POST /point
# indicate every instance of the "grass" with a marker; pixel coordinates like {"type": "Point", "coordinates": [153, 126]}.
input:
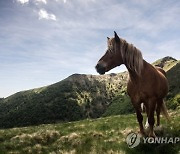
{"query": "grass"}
{"type": "Point", "coordinates": [121, 104]}
{"type": "Point", "coordinates": [103, 135]}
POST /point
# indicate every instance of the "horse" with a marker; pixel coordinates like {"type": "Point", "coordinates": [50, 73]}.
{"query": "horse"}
{"type": "Point", "coordinates": [147, 84]}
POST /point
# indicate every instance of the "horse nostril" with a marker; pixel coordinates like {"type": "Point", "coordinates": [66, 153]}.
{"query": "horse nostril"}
{"type": "Point", "coordinates": [97, 66]}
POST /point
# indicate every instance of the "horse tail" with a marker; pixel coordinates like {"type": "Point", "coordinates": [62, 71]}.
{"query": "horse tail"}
{"type": "Point", "coordinates": [164, 111]}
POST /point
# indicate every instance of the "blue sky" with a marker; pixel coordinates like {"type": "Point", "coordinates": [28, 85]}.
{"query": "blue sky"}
{"type": "Point", "coordinates": [44, 41]}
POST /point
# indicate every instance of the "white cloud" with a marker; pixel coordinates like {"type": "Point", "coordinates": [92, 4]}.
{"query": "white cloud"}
{"type": "Point", "coordinates": [35, 1]}
{"type": "Point", "coordinates": [170, 47]}
{"type": "Point", "coordinates": [43, 14]}
{"type": "Point", "coordinates": [23, 1]}
{"type": "Point", "coordinates": [62, 0]}
{"type": "Point", "coordinates": [41, 1]}
{"type": "Point", "coordinates": [151, 25]}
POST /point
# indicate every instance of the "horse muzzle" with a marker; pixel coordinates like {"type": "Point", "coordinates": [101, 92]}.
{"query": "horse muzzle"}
{"type": "Point", "coordinates": [100, 69]}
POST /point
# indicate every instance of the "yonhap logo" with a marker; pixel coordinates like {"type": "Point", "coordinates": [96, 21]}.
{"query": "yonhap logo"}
{"type": "Point", "coordinates": [134, 139]}
{"type": "Point", "coordinates": [161, 140]}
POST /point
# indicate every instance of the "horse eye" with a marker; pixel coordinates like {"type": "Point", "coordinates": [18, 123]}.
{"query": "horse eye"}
{"type": "Point", "coordinates": [110, 50]}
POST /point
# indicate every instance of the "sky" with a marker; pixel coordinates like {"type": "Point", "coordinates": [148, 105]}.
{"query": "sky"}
{"type": "Point", "coordinates": [45, 41]}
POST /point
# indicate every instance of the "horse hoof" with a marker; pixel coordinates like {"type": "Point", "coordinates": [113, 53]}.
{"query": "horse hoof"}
{"type": "Point", "coordinates": [146, 126]}
{"type": "Point", "coordinates": [158, 128]}
{"type": "Point", "coordinates": [152, 135]}
{"type": "Point", "coordinates": [142, 134]}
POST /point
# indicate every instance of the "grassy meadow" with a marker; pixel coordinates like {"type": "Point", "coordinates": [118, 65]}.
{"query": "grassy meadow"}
{"type": "Point", "coordinates": [98, 136]}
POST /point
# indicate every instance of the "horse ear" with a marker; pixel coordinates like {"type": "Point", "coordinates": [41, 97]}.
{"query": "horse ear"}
{"type": "Point", "coordinates": [116, 37]}
{"type": "Point", "coordinates": [108, 39]}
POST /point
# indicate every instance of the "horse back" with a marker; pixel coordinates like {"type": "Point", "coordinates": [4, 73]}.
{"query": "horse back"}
{"type": "Point", "coordinates": [152, 83]}
{"type": "Point", "coordinates": [161, 70]}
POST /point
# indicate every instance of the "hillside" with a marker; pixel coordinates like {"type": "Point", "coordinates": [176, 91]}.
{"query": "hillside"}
{"type": "Point", "coordinates": [173, 75]}
{"type": "Point", "coordinates": [76, 97]}
{"type": "Point", "coordinates": [166, 63]}
{"type": "Point", "coordinates": [80, 96]}
{"type": "Point", "coordinates": [99, 136]}
{"type": "Point", "coordinates": [172, 68]}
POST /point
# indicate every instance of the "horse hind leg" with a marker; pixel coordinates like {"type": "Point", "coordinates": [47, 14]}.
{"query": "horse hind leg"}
{"type": "Point", "coordinates": [145, 109]}
{"type": "Point", "coordinates": [151, 109]}
{"type": "Point", "coordinates": [158, 110]}
{"type": "Point", "coordinates": [146, 124]}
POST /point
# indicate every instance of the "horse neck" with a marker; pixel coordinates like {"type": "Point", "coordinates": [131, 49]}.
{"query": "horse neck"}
{"type": "Point", "coordinates": [132, 58]}
{"type": "Point", "coordinates": [133, 75]}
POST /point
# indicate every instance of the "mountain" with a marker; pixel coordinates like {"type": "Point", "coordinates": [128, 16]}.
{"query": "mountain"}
{"type": "Point", "coordinates": [74, 98]}
{"type": "Point", "coordinates": [166, 63]}
{"type": "Point", "coordinates": [1, 99]}
{"type": "Point", "coordinates": [172, 68]}
{"type": "Point", "coordinates": [78, 97]}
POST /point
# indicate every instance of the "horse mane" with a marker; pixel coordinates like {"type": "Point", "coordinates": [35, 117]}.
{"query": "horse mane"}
{"type": "Point", "coordinates": [132, 57]}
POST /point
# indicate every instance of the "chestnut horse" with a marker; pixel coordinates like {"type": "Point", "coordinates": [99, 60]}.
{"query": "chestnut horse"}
{"type": "Point", "coordinates": [147, 84]}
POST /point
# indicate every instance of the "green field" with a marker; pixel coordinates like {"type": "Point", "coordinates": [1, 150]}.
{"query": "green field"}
{"type": "Point", "coordinates": [102, 135]}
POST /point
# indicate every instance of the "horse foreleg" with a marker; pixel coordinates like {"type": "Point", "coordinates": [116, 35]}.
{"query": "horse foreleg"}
{"type": "Point", "coordinates": [140, 120]}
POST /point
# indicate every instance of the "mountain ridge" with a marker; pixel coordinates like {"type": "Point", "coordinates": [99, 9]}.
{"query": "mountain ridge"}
{"type": "Point", "coordinates": [78, 96]}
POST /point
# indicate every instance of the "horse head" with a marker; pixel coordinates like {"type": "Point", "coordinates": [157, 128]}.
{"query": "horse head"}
{"type": "Point", "coordinates": [112, 57]}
